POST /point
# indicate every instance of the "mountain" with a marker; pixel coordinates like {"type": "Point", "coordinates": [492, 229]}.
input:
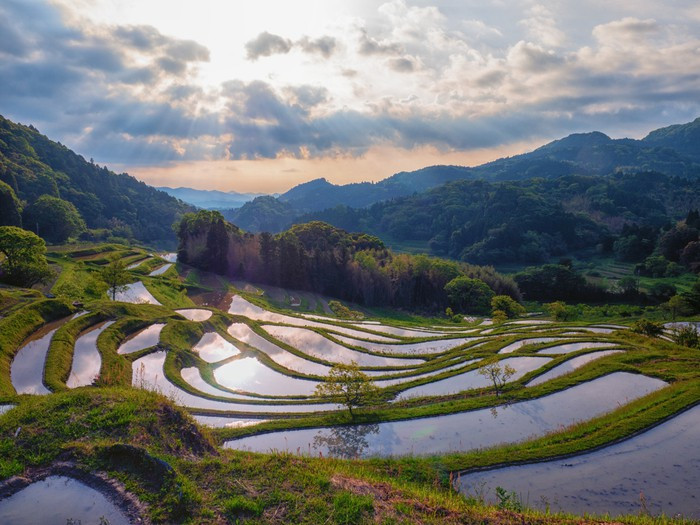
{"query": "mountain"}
{"type": "Point", "coordinates": [110, 204]}
{"type": "Point", "coordinates": [674, 151]}
{"type": "Point", "coordinates": [210, 199]}
{"type": "Point", "coordinates": [684, 138]}
{"type": "Point", "coordinates": [527, 221]}
{"type": "Point", "coordinates": [263, 214]}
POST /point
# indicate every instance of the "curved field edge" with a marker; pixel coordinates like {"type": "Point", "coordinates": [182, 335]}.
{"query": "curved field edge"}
{"type": "Point", "coordinates": [157, 453]}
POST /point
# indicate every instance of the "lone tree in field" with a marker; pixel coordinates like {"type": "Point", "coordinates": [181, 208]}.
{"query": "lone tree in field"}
{"type": "Point", "coordinates": [350, 384]}
{"type": "Point", "coordinates": [115, 276]}
{"type": "Point", "coordinates": [497, 374]}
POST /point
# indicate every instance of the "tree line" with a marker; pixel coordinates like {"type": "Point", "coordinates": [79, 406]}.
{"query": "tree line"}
{"type": "Point", "coordinates": [324, 259]}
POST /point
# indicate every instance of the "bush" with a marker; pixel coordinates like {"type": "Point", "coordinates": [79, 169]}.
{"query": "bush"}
{"type": "Point", "coordinates": [560, 311]}
{"type": "Point", "coordinates": [686, 335]}
{"type": "Point", "coordinates": [646, 327]}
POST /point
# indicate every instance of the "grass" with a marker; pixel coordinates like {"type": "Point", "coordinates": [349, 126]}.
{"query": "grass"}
{"type": "Point", "coordinates": [175, 467]}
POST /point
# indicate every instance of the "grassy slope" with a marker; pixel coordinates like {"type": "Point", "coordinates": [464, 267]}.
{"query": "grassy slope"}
{"type": "Point", "coordinates": [279, 488]}
{"type": "Point", "coordinates": [174, 468]}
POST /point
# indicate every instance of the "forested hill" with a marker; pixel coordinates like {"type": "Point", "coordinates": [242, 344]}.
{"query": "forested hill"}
{"type": "Point", "coordinates": [525, 221]}
{"type": "Point", "coordinates": [321, 258]}
{"type": "Point", "coordinates": [106, 203]}
{"type": "Point", "coordinates": [672, 151]}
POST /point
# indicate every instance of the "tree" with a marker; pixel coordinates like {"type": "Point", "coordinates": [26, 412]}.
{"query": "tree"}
{"type": "Point", "coordinates": [53, 219]}
{"type": "Point", "coordinates": [560, 311]}
{"type": "Point", "coordinates": [677, 305]}
{"type": "Point", "coordinates": [647, 327]}
{"type": "Point", "coordinates": [686, 335]}
{"type": "Point", "coordinates": [10, 208]}
{"type": "Point", "coordinates": [25, 260]}
{"type": "Point", "coordinates": [469, 295]}
{"type": "Point", "coordinates": [507, 305]}
{"type": "Point", "coordinates": [115, 276]}
{"type": "Point", "coordinates": [497, 374]}
{"type": "Point", "coordinates": [350, 384]}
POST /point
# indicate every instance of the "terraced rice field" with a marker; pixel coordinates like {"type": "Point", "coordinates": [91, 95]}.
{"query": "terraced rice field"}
{"type": "Point", "coordinates": [245, 369]}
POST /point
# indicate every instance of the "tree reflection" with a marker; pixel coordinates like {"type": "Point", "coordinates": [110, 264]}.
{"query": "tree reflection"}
{"type": "Point", "coordinates": [345, 442]}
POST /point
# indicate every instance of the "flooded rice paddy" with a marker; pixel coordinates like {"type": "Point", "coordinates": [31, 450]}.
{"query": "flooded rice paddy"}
{"type": "Point", "coordinates": [135, 293]}
{"type": "Point", "coordinates": [141, 340]}
{"type": "Point", "coordinates": [657, 472]}
{"type": "Point", "coordinates": [87, 359]}
{"type": "Point", "coordinates": [462, 431]}
{"type": "Point", "coordinates": [56, 500]}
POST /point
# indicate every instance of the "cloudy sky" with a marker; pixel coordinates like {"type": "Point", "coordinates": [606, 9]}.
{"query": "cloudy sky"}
{"type": "Point", "coordinates": [261, 95]}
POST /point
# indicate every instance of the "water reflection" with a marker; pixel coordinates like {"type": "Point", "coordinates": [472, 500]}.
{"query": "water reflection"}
{"type": "Point", "coordinates": [345, 442]}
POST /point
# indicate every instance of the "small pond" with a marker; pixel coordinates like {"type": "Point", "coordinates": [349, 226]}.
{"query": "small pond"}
{"type": "Point", "coordinates": [463, 431]}
{"type": "Point", "coordinates": [426, 347]}
{"type": "Point", "coordinates": [282, 357]}
{"type": "Point", "coordinates": [195, 314]}
{"type": "Point", "coordinates": [517, 345]}
{"type": "Point", "coordinates": [56, 500]}
{"type": "Point", "coordinates": [570, 366]}
{"type": "Point", "coordinates": [250, 375]}
{"type": "Point", "coordinates": [663, 464]}
{"type": "Point", "coordinates": [87, 359]}
{"type": "Point", "coordinates": [473, 379]}
{"type": "Point", "coordinates": [226, 422]}
{"type": "Point", "coordinates": [212, 348]}
{"type": "Point", "coordinates": [314, 344]}
{"type": "Point", "coordinates": [161, 270]}
{"type": "Point", "coordinates": [567, 348]}
{"type": "Point", "coordinates": [135, 293]}
{"type": "Point", "coordinates": [147, 373]}
{"type": "Point", "coordinates": [144, 339]}
{"type": "Point", "coordinates": [240, 306]}
{"type": "Point", "coordinates": [27, 369]}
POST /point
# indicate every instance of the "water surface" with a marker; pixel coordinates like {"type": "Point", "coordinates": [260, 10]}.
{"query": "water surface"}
{"type": "Point", "coordinates": [473, 379]}
{"type": "Point", "coordinates": [279, 355]}
{"type": "Point", "coordinates": [426, 347]}
{"type": "Point", "coordinates": [570, 366]}
{"type": "Point", "coordinates": [87, 359]}
{"type": "Point", "coordinates": [27, 369]}
{"type": "Point", "coordinates": [147, 373]}
{"type": "Point", "coordinates": [512, 347]}
{"type": "Point", "coordinates": [57, 499]}
{"type": "Point", "coordinates": [212, 348]}
{"type": "Point", "coordinates": [314, 344]}
{"type": "Point", "coordinates": [195, 314]}
{"type": "Point", "coordinates": [466, 430]}
{"type": "Point", "coordinates": [567, 348]}
{"type": "Point", "coordinates": [663, 464]}
{"type": "Point", "coordinates": [135, 293]}
{"type": "Point", "coordinates": [161, 270]}
{"type": "Point", "coordinates": [144, 339]}
{"type": "Point", "coordinates": [250, 375]}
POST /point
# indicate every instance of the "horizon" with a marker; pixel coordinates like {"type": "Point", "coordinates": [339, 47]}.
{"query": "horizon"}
{"type": "Point", "coordinates": [233, 98]}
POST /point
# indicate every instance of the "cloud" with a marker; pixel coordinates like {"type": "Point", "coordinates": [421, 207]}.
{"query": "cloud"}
{"type": "Point", "coordinates": [325, 45]}
{"type": "Point", "coordinates": [267, 44]}
{"type": "Point", "coordinates": [401, 65]}
{"type": "Point", "coordinates": [370, 46]}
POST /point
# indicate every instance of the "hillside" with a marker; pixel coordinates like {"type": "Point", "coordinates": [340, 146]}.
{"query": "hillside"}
{"type": "Point", "coordinates": [118, 204]}
{"type": "Point", "coordinates": [672, 151]}
{"type": "Point", "coordinates": [526, 221]}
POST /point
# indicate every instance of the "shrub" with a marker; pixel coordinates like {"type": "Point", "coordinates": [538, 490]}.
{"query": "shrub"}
{"type": "Point", "coordinates": [646, 327]}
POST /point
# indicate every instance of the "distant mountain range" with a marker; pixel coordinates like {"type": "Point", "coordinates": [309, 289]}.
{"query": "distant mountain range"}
{"type": "Point", "coordinates": [211, 199]}
{"type": "Point", "coordinates": [673, 151]}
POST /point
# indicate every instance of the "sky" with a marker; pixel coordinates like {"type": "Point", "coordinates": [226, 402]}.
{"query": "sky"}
{"type": "Point", "coordinates": [261, 95]}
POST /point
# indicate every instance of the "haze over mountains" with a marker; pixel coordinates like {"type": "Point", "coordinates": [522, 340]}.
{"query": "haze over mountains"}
{"type": "Point", "coordinates": [674, 151]}
{"type": "Point", "coordinates": [210, 199]}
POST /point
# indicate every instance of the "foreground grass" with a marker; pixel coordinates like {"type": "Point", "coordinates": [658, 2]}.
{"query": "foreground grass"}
{"type": "Point", "coordinates": [157, 452]}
